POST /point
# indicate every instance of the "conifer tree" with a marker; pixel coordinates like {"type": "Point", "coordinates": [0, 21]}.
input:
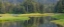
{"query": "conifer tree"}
{"type": "Point", "coordinates": [59, 8]}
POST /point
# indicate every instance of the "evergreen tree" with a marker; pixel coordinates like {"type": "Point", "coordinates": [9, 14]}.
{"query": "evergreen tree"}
{"type": "Point", "coordinates": [0, 7]}
{"type": "Point", "coordinates": [33, 7]}
{"type": "Point", "coordinates": [59, 8]}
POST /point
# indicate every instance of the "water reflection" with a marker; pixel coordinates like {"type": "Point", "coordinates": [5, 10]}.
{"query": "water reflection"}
{"type": "Point", "coordinates": [32, 22]}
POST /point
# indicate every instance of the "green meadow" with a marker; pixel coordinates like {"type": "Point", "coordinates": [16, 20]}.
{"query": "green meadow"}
{"type": "Point", "coordinates": [60, 19]}
{"type": "Point", "coordinates": [22, 17]}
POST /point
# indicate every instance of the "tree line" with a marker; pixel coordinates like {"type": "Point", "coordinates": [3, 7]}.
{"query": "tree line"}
{"type": "Point", "coordinates": [59, 8]}
{"type": "Point", "coordinates": [28, 6]}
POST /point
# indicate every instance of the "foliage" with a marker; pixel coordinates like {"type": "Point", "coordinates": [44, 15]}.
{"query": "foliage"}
{"type": "Point", "coordinates": [27, 6]}
{"type": "Point", "coordinates": [1, 7]}
{"type": "Point", "coordinates": [59, 8]}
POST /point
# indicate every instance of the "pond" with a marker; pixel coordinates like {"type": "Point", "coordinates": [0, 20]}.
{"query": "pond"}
{"type": "Point", "coordinates": [32, 22]}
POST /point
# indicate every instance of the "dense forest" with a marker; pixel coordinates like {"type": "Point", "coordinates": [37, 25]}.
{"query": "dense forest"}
{"type": "Point", "coordinates": [59, 8]}
{"type": "Point", "coordinates": [29, 6]}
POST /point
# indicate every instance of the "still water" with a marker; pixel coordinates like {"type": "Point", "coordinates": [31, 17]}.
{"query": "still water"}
{"type": "Point", "coordinates": [32, 22]}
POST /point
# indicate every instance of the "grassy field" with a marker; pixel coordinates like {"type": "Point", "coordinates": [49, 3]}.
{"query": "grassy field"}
{"type": "Point", "coordinates": [15, 17]}
{"type": "Point", "coordinates": [61, 19]}
{"type": "Point", "coordinates": [60, 22]}
{"type": "Point", "coordinates": [22, 16]}
{"type": "Point", "coordinates": [60, 16]}
{"type": "Point", "coordinates": [10, 17]}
